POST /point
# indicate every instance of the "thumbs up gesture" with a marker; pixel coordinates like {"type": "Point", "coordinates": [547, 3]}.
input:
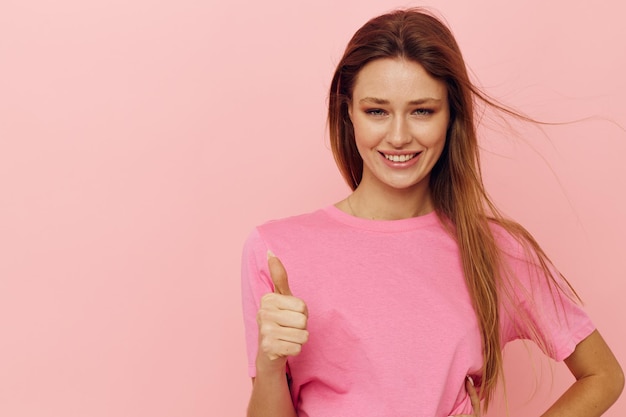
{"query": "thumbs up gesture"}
{"type": "Point", "coordinates": [282, 320]}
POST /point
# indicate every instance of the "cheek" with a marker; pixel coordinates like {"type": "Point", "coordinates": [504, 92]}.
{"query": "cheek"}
{"type": "Point", "coordinates": [368, 133]}
{"type": "Point", "coordinates": [362, 135]}
{"type": "Point", "coordinates": [438, 148]}
{"type": "Point", "coordinates": [361, 145]}
{"type": "Point", "coordinates": [433, 137]}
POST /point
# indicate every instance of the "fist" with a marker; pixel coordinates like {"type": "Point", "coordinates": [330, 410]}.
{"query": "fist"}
{"type": "Point", "coordinates": [282, 319]}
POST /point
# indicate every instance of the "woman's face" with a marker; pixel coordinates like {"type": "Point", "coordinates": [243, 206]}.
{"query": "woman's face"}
{"type": "Point", "coordinates": [400, 116]}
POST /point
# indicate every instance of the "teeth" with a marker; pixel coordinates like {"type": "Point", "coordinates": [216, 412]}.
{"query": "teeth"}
{"type": "Point", "coordinates": [399, 158]}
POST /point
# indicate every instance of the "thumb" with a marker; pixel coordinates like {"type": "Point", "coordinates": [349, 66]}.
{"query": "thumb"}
{"type": "Point", "coordinates": [278, 274]}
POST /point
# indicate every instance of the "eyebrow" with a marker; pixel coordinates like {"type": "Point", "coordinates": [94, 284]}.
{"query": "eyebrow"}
{"type": "Point", "coordinates": [418, 101]}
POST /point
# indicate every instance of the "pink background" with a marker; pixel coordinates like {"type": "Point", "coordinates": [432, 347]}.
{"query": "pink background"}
{"type": "Point", "coordinates": [141, 141]}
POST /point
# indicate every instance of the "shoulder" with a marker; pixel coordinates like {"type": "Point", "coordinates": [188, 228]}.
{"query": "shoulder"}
{"type": "Point", "coordinates": [281, 236]}
{"type": "Point", "coordinates": [513, 240]}
{"type": "Point", "coordinates": [525, 267]}
{"type": "Point", "coordinates": [293, 239]}
{"type": "Point", "coordinates": [296, 224]}
{"type": "Point", "coordinates": [288, 230]}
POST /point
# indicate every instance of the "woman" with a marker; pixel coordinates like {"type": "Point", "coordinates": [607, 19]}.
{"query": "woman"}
{"type": "Point", "coordinates": [405, 293]}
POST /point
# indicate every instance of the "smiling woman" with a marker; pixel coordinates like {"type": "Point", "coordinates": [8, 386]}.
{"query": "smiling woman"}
{"type": "Point", "coordinates": [400, 117]}
{"type": "Point", "coordinates": [401, 296]}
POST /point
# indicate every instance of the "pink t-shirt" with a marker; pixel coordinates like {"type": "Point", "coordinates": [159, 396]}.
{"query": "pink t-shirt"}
{"type": "Point", "coordinates": [392, 329]}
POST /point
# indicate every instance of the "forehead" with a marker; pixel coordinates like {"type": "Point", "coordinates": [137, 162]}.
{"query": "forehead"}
{"type": "Point", "coordinates": [387, 78]}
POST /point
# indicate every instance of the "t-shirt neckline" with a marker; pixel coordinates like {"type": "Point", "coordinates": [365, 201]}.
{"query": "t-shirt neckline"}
{"type": "Point", "coordinates": [401, 225]}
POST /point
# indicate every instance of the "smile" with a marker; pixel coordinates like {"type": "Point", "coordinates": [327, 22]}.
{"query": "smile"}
{"type": "Point", "coordinates": [400, 158]}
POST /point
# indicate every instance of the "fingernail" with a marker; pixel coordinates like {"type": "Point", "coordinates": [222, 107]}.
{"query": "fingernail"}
{"type": "Point", "coordinates": [471, 381]}
{"type": "Point", "coordinates": [270, 254]}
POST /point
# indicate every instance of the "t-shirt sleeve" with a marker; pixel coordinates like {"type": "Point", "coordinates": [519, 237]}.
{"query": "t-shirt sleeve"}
{"type": "Point", "coordinates": [255, 282]}
{"type": "Point", "coordinates": [538, 308]}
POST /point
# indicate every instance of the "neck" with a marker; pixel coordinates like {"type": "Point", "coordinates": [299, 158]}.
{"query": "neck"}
{"type": "Point", "coordinates": [388, 204]}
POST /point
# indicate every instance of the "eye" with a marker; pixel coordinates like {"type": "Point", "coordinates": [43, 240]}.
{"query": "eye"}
{"type": "Point", "coordinates": [423, 112]}
{"type": "Point", "coordinates": [376, 112]}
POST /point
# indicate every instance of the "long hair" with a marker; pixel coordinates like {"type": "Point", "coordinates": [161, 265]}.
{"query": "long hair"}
{"type": "Point", "coordinates": [456, 185]}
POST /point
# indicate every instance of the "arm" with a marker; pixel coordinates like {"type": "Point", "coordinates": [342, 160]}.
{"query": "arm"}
{"type": "Point", "coordinates": [270, 395]}
{"type": "Point", "coordinates": [282, 332]}
{"type": "Point", "coordinates": [599, 380]}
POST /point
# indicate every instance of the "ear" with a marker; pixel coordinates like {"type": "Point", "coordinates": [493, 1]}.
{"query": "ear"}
{"type": "Point", "coordinates": [350, 109]}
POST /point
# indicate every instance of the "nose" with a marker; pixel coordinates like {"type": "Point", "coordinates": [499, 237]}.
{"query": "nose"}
{"type": "Point", "coordinates": [399, 134]}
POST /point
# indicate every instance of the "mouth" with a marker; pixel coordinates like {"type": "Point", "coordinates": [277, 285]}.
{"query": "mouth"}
{"type": "Point", "coordinates": [399, 158]}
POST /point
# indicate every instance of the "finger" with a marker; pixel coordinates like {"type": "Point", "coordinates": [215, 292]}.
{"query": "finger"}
{"type": "Point", "coordinates": [278, 274]}
{"type": "Point", "coordinates": [471, 390]}
{"type": "Point", "coordinates": [272, 301]}
{"type": "Point", "coordinates": [287, 334]}
{"type": "Point", "coordinates": [271, 333]}
{"type": "Point", "coordinates": [282, 349]}
{"type": "Point", "coordinates": [283, 318]}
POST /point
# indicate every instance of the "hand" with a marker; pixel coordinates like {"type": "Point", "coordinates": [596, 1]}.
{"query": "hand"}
{"type": "Point", "coordinates": [471, 390]}
{"type": "Point", "coordinates": [282, 320]}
